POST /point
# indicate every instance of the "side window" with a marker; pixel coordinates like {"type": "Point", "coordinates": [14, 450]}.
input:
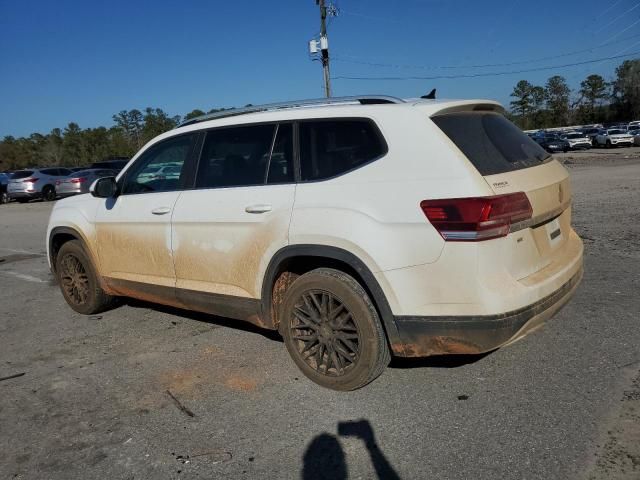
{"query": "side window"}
{"type": "Point", "coordinates": [233, 157]}
{"type": "Point", "coordinates": [149, 173]}
{"type": "Point", "coordinates": [330, 148]}
{"type": "Point", "coordinates": [50, 171]}
{"type": "Point", "coordinates": [64, 172]}
{"type": "Point", "coordinates": [281, 162]}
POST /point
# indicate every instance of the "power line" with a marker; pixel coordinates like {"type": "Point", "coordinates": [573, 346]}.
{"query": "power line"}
{"type": "Point", "coordinates": [611, 22]}
{"type": "Point", "coordinates": [488, 74]}
{"type": "Point", "coordinates": [345, 59]}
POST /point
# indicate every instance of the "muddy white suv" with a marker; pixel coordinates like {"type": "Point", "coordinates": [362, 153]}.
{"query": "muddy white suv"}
{"type": "Point", "coordinates": [359, 228]}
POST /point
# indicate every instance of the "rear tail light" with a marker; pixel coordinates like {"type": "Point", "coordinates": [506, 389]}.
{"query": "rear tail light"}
{"type": "Point", "coordinates": [30, 180]}
{"type": "Point", "coordinates": [477, 218]}
{"type": "Point", "coordinates": [79, 180]}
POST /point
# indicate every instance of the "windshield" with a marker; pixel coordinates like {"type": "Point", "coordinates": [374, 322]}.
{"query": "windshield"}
{"type": "Point", "coordinates": [615, 131]}
{"type": "Point", "coordinates": [491, 142]}
{"type": "Point", "coordinates": [573, 135]}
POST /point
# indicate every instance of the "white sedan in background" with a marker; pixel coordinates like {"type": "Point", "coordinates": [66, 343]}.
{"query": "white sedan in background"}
{"type": "Point", "coordinates": [614, 137]}
{"type": "Point", "coordinates": [577, 140]}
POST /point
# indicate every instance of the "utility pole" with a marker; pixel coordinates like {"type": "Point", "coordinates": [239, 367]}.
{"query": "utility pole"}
{"type": "Point", "coordinates": [324, 47]}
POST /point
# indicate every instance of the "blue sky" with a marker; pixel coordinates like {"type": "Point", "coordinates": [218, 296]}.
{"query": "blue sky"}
{"type": "Point", "coordinates": [83, 61]}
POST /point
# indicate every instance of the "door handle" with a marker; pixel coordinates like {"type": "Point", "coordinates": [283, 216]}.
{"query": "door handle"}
{"type": "Point", "coordinates": [161, 210]}
{"type": "Point", "coordinates": [262, 208]}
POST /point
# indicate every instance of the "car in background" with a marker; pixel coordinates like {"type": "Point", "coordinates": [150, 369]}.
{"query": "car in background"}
{"type": "Point", "coordinates": [116, 164]}
{"type": "Point", "coordinates": [78, 169]}
{"type": "Point", "coordinates": [4, 181]}
{"type": "Point", "coordinates": [614, 137]}
{"type": "Point", "coordinates": [553, 143]}
{"type": "Point", "coordinates": [79, 182]}
{"type": "Point", "coordinates": [635, 123]}
{"type": "Point", "coordinates": [164, 172]}
{"type": "Point", "coordinates": [26, 185]}
{"type": "Point", "coordinates": [633, 129]}
{"type": "Point", "coordinates": [577, 140]}
{"type": "Point", "coordinates": [591, 133]}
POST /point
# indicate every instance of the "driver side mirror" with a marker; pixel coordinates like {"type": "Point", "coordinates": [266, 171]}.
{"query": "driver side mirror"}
{"type": "Point", "coordinates": [105, 187]}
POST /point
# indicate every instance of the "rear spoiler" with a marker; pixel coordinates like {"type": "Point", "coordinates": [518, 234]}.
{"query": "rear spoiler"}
{"type": "Point", "coordinates": [472, 107]}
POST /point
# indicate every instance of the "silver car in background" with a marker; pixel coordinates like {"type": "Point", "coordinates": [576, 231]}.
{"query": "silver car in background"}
{"type": "Point", "coordinates": [35, 183]}
{"type": "Point", "coordinates": [79, 182]}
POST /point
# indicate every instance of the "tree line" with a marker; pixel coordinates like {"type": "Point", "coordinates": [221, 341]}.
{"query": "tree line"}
{"type": "Point", "coordinates": [534, 106]}
{"type": "Point", "coordinates": [596, 101]}
{"type": "Point", "coordinates": [74, 146]}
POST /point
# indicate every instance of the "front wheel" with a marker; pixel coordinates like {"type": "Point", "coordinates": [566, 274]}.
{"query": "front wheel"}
{"type": "Point", "coordinates": [332, 330]}
{"type": "Point", "coordinates": [4, 198]}
{"type": "Point", "coordinates": [79, 282]}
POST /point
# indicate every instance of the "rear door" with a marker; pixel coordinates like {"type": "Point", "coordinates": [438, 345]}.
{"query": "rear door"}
{"type": "Point", "coordinates": [511, 162]}
{"type": "Point", "coordinates": [237, 216]}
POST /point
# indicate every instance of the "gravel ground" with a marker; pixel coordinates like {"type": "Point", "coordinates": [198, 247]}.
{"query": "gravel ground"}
{"type": "Point", "coordinates": [93, 401]}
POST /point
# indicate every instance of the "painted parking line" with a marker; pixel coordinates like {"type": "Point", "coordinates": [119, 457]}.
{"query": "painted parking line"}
{"type": "Point", "coordinates": [21, 276]}
{"type": "Point", "coordinates": [17, 250]}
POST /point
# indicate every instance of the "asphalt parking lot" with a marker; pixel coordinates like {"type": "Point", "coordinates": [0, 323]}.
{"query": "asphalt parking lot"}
{"type": "Point", "coordinates": [151, 392]}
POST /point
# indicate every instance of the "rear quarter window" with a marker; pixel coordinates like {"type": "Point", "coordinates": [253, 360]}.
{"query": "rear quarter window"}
{"type": "Point", "coordinates": [329, 148]}
{"type": "Point", "coordinates": [491, 142]}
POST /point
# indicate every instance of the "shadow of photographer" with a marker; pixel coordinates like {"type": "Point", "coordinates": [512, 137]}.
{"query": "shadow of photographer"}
{"type": "Point", "coordinates": [325, 459]}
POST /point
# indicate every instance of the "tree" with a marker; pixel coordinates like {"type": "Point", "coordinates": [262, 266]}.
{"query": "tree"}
{"type": "Point", "coordinates": [593, 90]}
{"type": "Point", "coordinates": [131, 124]}
{"type": "Point", "coordinates": [193, 114]}
{"type": "Point", "coordinates": [626, 90]}
{"type": "Point", "coordinates": [537, 106]}
{"type": "Point", "coordinates": [53, 149]}
{"type": "Point", "coordinates": [522, 104]}
{"type": "Point", "coordinates": [557, 93]}
{"type": "Point", "coordinates": [73, 145]}
{"type": "Point", "coordinates": [156, 121]}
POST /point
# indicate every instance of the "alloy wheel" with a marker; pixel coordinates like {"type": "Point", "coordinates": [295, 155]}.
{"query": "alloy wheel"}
{"type": "Point", "coordinates": [74, 279]}
{"type": "Point", "coordinates": [325, 333]}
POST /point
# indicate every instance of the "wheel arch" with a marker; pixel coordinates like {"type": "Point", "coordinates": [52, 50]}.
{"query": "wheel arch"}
{"type": "Point", "coordinates": [61, 235]}
{"type": "Point", "coordinates": [298, 259]}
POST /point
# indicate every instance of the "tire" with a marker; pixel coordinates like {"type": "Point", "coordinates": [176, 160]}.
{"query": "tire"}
{"type": "Point", "coordinates": [48, 193]}
{"type": "Point", "coordinates": [347, 343]}
{"type": "Point", "coordinates": [4, 198]}
{"type": "Point", "coordinates": [78, 280]}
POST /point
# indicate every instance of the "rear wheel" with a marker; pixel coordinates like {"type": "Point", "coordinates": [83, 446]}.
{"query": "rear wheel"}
{"type": "Point", "coordinates": [332, 330]}
{"type": "Point", "coordinates": [4, 197]}
{"type": "Point", "coordinates": [78, 280]}
{"type": "Point", "coordinates": [48, 193]}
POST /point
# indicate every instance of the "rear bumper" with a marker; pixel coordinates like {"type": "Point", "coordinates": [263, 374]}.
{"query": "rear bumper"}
{"type": "Point", "coordinates": [422, 336]}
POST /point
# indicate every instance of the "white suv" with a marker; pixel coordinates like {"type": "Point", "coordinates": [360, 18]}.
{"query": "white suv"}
{"type": "Point", "coordinates": [359, 228]}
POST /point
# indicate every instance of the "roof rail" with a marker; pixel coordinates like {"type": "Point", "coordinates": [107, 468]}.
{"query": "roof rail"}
{"type": "Point", "coordinates": [317, 102]}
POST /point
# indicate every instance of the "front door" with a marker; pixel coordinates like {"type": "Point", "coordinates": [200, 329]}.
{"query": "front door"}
{"type": "Point", "coordinates": [134, 229]}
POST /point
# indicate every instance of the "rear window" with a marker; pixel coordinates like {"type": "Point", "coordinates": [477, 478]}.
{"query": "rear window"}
{"type": "Point", "coordinates": [491, 142]}
{"type": "Point", "coordinates": [22, 174]}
